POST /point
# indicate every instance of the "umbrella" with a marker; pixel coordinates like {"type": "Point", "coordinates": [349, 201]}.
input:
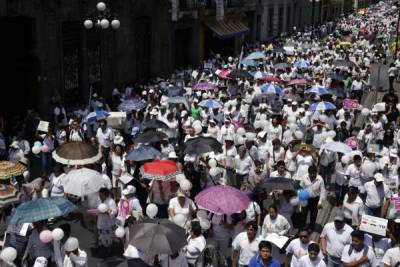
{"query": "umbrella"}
{"type": "Point", "coordinates": [129, 105]}
{"type": "Point", "coordinates": [179, 100]}
{"type": "Point", "coordinates": [335, 77]}
{"type": "Point", "coordinates": [305, 147]}
{"type": "Point", "coordinates": [270, 79]}
{"type": "Point", "coordinates": [222, 199]}
{"type": "Point", "coordinates": [352, 142]}
{"type": "Point", "coordinates": [41, 209]}
{"type": "Point", "coordinates": [9, 169]}
{"type": "Point", "coordinates": [201, 145]}
{"type": "Point", "coordinates": [249, 62]}
{"type": "Point", "coordinates": [160, 170]}
{"type": "Point", "coordinates": [278, 50]}
{"type": "Point", "coordinates": [8, 195]}
{"type": "Point", "coordinates": [258, 74]}
{"type": "Point", "coordinates": [301, 64]}
{"type": "Point", "coordinates": [256, 55]}
{"type": "Point", "coordinates": [143, 153]}
{"type": "Point", "coordinates": [337, 147]}
{"type": "Point", "coordinates": [224, 74]}
{"type": "Point", "coordinates": [94, 116]}
{"type": "Point", "coordinates": [239, 74]}
{"type": "Point", "coordinates": [270, 88]}
{"type": "Point", "coordinates": [150, 136]}
{"type": "Point", "coordinates": [157, 237]}
{"type": "Point", "coordinates": [318, 90]}
{"type": "Point", "coordinates": [175, 91]}
{"type": "Point", "coordinates": [298, 82]}
{"type": "Point", "coordinates": [155, 124]}
{"type": "Point", "coordinates": [343, 63]}
{"type": "Point", "coordinates": [323, 105]}
{"type": "Point", "coordinates": [277, 183]}
{"type": "Point", "coordinates": [82, 182]}
{"type": "Point", "coordinates": [204, 86]}
{"type": "Point", "coordinates": [282, 66]}
{"type": "Point", "coordinates": [123, 262]}
{"type": "Point", "coordinates": [77, 153]}
{"type": "Point", "coordinates": [345, 44]}
{"type": "Point", "coordinates": [210, 103]}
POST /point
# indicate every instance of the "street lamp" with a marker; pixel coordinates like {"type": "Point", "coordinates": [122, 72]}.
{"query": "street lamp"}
{"type": "Point", "coordinates": [101, 18]}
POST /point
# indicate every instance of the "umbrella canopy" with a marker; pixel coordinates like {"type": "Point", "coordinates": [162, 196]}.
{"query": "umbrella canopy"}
{"type": "Point", "coordinates": [175, 91]}
{"type": "Point", "coordinates": [9, 169]}
{"type": "Point", "coordinates": [258, 74]}
{"type": "Point", "coordinates": [224, 74]}
{"type": "Point", "coordinates": [129, 105]}
{"type": "Point", "coordinates": [210, 103]}
{"type": "Point", "coordinates": [278, 50]}
{"type": "Point", "coordinates": [337, 147]}
{"type": "Point", "coordinates": [8, 195]}
{"type": "Point", "coordinates": [270, 79]}
{"type": "Point", "coordinates": [155, 124]}
{"type": "Point", "coordinates": [279, 183]}
{"type": "Point", "coordinates": [239, 74]}
{"type": "Point", "coordinates": [77, 153]}
{"type": "Point", "coordinates": [157, 237]}
{"type": "Point", "coordinates": [201, 145]}
{"type": "Point", "coordinates": [179, 100]}
{"type": "Point", "coordinates": [282, 66]}
{"type": "Point", "coordinates": [204, 86]}
{"type": "Point", "coordinates": [323, 105]}
{"type": "Point", "coordinates": [150, 136]}
{"type": "Point", "coordinates": [305, 147]}
{"type": "Point", "coordinates": [222, 199]}
{"type": "Point", "coordinates": [94, 116]}
{"type": "Point", "coordinates": [249, 62]}
{"type": "Point", "coordinates": [160, 170]}
{"type": "Point", "coordinates": [301, 64]}
{"type": "Point", "coordinates": [256, 55]}
{"type": "Point", "coordinates": [41, 209]}
{"type": "Point", "coordinates": [318, 90]}
{"type": "Point", "coordinates": [352, 142]}
{"type": "Point", "coordinates": [345, 44]}
{"type": "Point", "coordinates": [123, 262]}
{"type": "Point", "coordinates": [335, 77]}
{"type": "Point", "coordinates": [270, 88]}
{"type": "Point", "coordinates": [82, 182]}
{"type": "Point", "coordinates": [343, 63]}
{"type": "Point", "coordinates": [143, 153]}
{"type": "Point", "coordinates": [298, 82]}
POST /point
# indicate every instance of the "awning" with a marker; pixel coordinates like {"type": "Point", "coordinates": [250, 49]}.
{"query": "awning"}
{"type": "Point", "coordinates": [227, 29]}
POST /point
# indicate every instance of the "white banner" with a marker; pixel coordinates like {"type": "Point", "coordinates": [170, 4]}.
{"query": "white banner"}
{"type": "Point", "coordinates": [219, 9]}
{"type": "Point", "coordinates": [373, 225]}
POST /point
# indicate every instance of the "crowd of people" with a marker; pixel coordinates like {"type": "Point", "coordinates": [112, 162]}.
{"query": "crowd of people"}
{"type": "Point", "coordinates": [288, 111]}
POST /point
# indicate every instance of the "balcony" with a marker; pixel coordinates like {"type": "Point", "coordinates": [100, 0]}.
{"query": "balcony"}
{"type": "Point", "coordinates": [207, 4]}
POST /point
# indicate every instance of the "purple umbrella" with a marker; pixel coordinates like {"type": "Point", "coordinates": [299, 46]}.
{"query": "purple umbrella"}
{"type": "Point", "coordinates": [204, 86]}
{"type": "Point", "coordinates": [222, 199]}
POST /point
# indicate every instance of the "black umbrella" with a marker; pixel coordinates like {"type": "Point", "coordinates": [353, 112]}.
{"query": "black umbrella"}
{"type": "Point", "coordinates": [335, 77]}
{"type": "Point", "coordinates": [155, 124]}
{"type": "Point", "coordinates": [200, 145]}
{"type": "Point", "coordinates": [239, 74]}
{"type": "Point", "coordinates": [278, 50]}
{"type": "Point", "coordinates": [157, 237]}
{"type": "Point", "coordinates": [150, 136]}
{"type": "Point", "coordinates": [122, 262]}
{"type": "Point", "coordinates": [280, 183]}
{"type": "Point", "coordinates": [282, 66]}
{"type": "Point", "coordinates": [343, 63]}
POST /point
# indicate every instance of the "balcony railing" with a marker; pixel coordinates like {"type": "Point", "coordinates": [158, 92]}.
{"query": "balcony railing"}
{"type": "Point", "coordinates": [207, 4]}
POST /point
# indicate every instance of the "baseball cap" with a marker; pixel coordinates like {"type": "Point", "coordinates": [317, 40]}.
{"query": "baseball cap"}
{"type": "Point", "coordinates": [339, 216]}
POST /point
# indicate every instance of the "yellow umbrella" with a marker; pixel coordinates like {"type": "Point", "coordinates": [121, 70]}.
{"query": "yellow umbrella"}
{"type": "Point", "coordinates": [345, 43]}
{"type": "Point", "coordinates": [270, 46]}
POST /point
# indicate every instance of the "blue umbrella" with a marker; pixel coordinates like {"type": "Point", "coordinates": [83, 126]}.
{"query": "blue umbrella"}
{"type": "Point", "coordinates": [129, 105]}
{"type": "Point", "coordinates": [318, 90]}
{"type": "Point", "coordinates": [256, 55]}
{"type": "Point", "coordinates": [41, 209]}
{"type": "Point", "coordinates": [179, 100]}
{"type": "Point", "coordinates": [249, 62]}
{"type": "Point", "coordinates": [302, 64]}
{"type": "Point", "coordinates": [92, 117]}
{"type": "Point", "coordinates": [258, 74]}
{"type": "Point", "coordinates": [321, 106]}
{"type": "Point", "coordinates": [143, 153]}
{"type": "Point", "coordinates": [270, 88]}
{"type": "Point", "coordinates": [210, 103]}
{"type": "Point", "coordinates": [175, 91]}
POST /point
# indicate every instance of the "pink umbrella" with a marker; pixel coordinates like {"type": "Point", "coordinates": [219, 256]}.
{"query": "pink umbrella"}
{"type": "Point", "coordinates": [222, 199]}
{"type": "Point", "coordinates": [352, 142]}
{"type": "Point", "coordinates": [204, 86]}
{"type": "Point", "coordinates": [224, 73]}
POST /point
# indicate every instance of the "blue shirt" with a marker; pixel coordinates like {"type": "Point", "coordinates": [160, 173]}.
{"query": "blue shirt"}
{"type": "Point", "coordinates": [257, 262]}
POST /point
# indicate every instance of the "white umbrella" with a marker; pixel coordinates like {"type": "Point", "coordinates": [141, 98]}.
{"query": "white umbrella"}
{"type": "Point", "coordinates": [337, 147]}
{"type": "Point", "coordinates": [82, 182]}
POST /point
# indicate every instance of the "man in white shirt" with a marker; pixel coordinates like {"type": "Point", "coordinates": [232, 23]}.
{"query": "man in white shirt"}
{"type": "Point", "coordinates": [280, 172]}
{"type": "Point", "coordinates": [314, 185]}
{"type": "Point", "coordinates": [105, 137]}
{"type": "Point", "coordinates": [245, 245]}
{"type": "Point", "coordinates": [243, 164]}
{"type": "Point", "coordinates": [335, 235]}
{"type": "Point", "coordinates": [378, 196]}
{"type": "Point", "coordinates": [391, 257]}
{"type": "Point", "coordinates": [312, 259]}
{"type": "Point", "coordinates": [357, 253]}
{"type": "Point", "coordinates": [299, 247]}
{"type": "Point", "coordinates": [74, 257]}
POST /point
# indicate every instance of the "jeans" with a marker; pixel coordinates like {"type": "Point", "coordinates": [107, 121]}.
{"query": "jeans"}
{"type": "Point", "coordinates": [340, 192]}
{"type": "Point", "coordinates": [333, 261]}
{"type": "Point", "coordinates": [373, 211]}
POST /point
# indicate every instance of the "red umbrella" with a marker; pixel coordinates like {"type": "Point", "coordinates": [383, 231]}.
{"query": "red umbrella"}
{"type": "Point", "coordinates": [270, 79]}
{"type": "Point", "coordinates": [160, 170]}
{"type": "Point", "coordinates": [298, 82]}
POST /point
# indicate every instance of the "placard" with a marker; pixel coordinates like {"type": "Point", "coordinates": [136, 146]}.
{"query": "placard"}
{"type": "Point", "coordinates": [43, 126]}
{"type": "Point", "coordinates": [350, 103]}
{"type": "Point", "coordinates": [373, 225]}
{"type": "Point", "coordinates": [396, 202]}
{"type": "Point", "coordinates": [277, 240]}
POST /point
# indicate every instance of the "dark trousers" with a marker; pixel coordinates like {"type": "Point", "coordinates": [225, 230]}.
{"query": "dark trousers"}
{"type": "Point", "coordinates": [312, 209]}
{"type": "Point", "coordinates": [391, 80]}
{"type": "Point", "coordinates": [340, 192]}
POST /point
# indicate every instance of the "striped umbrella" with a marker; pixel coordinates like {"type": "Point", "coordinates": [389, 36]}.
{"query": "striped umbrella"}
{"type": "Point", "coordinates": [256, 55]}
{"type": "Point", "coordinates": [323, 105]}
{"type": "Point", "coordinates": [41, 209]}
{"type": "Point", "coordinates": [204, 86]}
{"type": "Point", "coordinates": [8, 194]}
{"type": "Point", "coordinates": [270, 88]}
{"type": "Point", "coordinates": [318, 90]}
{"type": "Point", "coordinates": [9, 169]}
{"type": "Point", "coordinates": [94, 116]}
{"type": "Point", "coordinates": [160, 170]}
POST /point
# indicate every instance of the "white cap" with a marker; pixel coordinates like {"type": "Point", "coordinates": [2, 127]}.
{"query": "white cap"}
{"type": "Point", "coordinates": [184, 113]}
{"type": "Point", "coordinates": [144, 92]}
{"type": "Point", "coordinates": [379, 177]}
{"type": "Point", "coordinates": [129, 190]}
{"type": "Point", "coordinates": [172, 155]}
{"type": "Point", "coordinates": [71, 244]}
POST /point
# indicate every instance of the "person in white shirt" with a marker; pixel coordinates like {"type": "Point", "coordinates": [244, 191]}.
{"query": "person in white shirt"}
{"type": "Point", "coordinates": [335, 235]}
{"type": "Point", "coordinates": [353, 207]}
{"type": "Point", "coordinates": [274, 223]}
{"type": "Point", "coordinates": [357, 253]}
{"type": "Point", "coordinates": [378, 196]}
{"type": "Point", "coordinates": [15, 153]}
{"type": "Point", "coordinates": [314, 185]}
{"type": "Point", "coordinates": [196, 244]}
{"type": "Point", "coordinates": [341, 182]}
{"type": "Point", "coordinates": [74, 256]}
{"type": "Point", "coordinates": [181, 204]}
{"type": "Point", "coordinates": [243, 164]}
{"type": "Point", "coordinates": [105, 137]}
{"type": "Point", "coordinates": [355, 174]}
{"type": "Point", "coordinates": [379, 245]}
{"type": "Point", "coordinates": [106, 220]}
{"type": "Point", "coordinates": [391, 257]}
{"type": "Point", "coordinates": [312, 259]}
{"type": "Point", "coordinates": [298, 247]}
{"type": "Point", "coordinates": [280, 171]}
{"type": "Point", "coordinates": [245, 245]}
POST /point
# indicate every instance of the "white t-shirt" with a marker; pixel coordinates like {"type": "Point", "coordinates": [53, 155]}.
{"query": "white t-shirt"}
{"type": "Point", "coordinates": [305, 261]}
{"type": "Point", "coordinates": [298, 249]}
{"type": "Point", "coordinates": [376, 195]}
{"type": "Point", "coordinates": [379, 247]}
{"type": "Point", "coordinates": [353, 210]}
{"type": "Point", "coordinates": [194, 248]}
{"type": "Point", "coordinates": [336, 239]}
{"type": "Point", "coordinates": [252, 211]}
{"type": "Point", "coordinates": [246, 249]}
{"type": "Point", "coordinates": [105, 137]}
{"type": "Point", "coordinates": [185, 210]}
{"type": "Point", "coordinates": [356, 255]}
{"type": "Point", "coordinates": [392, 256]}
